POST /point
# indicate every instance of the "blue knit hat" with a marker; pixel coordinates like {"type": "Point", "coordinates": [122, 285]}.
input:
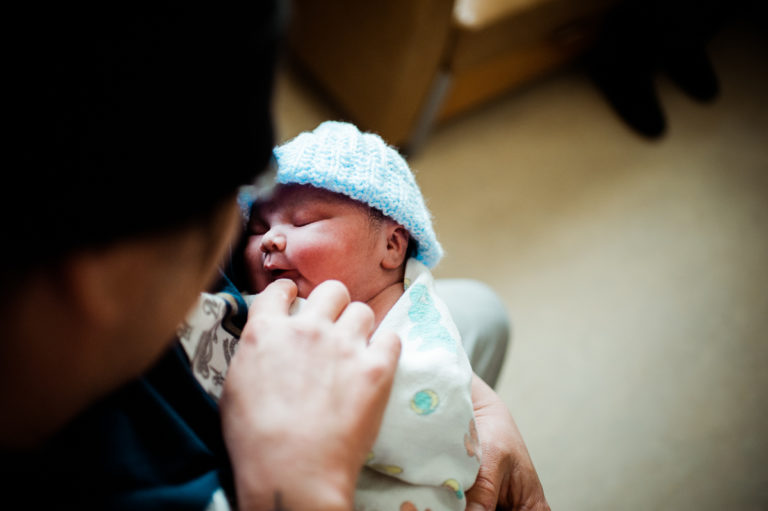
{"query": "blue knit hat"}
{"type": "Point", "coordinates": [336, 156]}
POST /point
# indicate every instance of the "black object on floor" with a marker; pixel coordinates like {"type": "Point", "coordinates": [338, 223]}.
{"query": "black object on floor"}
{"type": "Point", "coordinates": [693, 72]}
{"type": "Point", "coordinates": [630, 90]}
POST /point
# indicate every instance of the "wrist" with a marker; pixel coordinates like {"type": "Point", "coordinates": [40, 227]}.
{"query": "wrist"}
{"type": "Point", "coordinates": [290, 486]}
{"type": "Point", "coordinates": [292, 500]}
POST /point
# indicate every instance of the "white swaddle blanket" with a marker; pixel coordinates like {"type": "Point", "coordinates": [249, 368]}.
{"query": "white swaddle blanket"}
{"type": "Point", "coordinates": [427, 453]}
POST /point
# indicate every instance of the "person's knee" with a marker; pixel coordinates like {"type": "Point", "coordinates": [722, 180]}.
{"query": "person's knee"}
{"type": "Point", "coordinates": [483, 321]}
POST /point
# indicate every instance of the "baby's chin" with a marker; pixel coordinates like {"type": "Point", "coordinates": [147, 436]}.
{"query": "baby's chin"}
{"type": "Point", "coordinates": [264, 279]}
{"type": "Point", "coordinates": [303, 287]}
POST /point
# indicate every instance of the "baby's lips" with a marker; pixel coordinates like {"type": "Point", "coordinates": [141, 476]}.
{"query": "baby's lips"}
{"type": "Point", "coordinates": [271, 263]}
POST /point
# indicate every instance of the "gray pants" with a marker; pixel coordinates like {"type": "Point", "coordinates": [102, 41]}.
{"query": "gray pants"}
{"type": "Point", "coordinates": [483, 322]}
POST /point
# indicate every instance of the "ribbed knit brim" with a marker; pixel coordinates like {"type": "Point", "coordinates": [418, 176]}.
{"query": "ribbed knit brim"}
{"type": "Point", "coordinates": [336, 156]}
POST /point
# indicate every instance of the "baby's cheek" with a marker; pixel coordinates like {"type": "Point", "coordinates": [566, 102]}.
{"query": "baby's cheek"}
{"type": "Point", "coordinates": [248, 254]}
{"type": "Point", "coordinates": [317, 261]}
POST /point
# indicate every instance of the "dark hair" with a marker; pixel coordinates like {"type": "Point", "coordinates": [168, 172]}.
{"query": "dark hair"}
{"type": "Point", "coordinates": [131, 119]}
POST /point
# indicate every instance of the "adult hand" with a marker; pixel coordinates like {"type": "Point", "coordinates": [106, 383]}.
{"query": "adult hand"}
{"type": "Point", "coordinates": [507, 479]}
{"type": "Point", "coordinates": [304, 398]}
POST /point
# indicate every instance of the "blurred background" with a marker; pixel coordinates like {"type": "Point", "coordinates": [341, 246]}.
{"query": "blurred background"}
{"type": "Point", "coordinates": [633, 262]}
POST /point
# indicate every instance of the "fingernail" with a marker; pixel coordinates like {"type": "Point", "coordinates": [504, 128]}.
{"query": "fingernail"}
{"type": "Point", "coordinates": [474, 506]}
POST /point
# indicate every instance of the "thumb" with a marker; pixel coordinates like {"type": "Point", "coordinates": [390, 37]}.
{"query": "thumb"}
{"type": "Point", "coordinates": [484, 494]}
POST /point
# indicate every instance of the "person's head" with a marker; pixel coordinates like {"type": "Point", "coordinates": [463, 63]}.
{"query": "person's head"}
{"type": "Point", "coordinates": [347, 207]}
{"type": "Point", "coordinates": [310, 235]}
{"type": "Point", "coordinates": [133, 125]}
{"type": "Point", "coordinates": [130, 119]}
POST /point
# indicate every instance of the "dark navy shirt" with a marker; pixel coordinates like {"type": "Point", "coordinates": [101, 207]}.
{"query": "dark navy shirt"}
{"type": "Point", "coordinates": [155, 443]}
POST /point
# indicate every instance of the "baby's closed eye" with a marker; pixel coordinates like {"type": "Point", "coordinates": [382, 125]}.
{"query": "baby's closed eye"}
{"type": "Point", "coordinates": [308, 216]}
{"type": "Point", "coordinates": [257, 228]}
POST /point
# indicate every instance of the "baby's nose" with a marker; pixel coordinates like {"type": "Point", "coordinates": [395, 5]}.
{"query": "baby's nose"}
{"type": "Point", "coordinates": [272, 242]}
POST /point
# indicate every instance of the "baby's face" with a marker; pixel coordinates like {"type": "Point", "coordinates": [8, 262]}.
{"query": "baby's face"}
{"type": "Point", "coordinates": [311, 235]}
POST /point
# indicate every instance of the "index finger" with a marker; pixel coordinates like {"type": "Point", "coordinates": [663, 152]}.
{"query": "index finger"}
{"type": "Point", "coordinates": [276, 299]}
{"type": "Point", "coordinates": [327, 300]}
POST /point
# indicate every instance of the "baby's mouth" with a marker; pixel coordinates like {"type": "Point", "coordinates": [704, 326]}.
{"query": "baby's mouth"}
{"type": "Point", "coordinates": [283, 274]}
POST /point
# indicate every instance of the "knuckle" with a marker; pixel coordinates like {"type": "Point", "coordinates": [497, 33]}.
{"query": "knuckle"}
{"type": "Point", "coordinates": [334, 287]}
{"type": "Point", "coordinates": [308, 331]}
{"type": "Point", "coordinates": [362, 311]}
{"type": "Point", "coordinates": [249, 333]}
{"type": "Point", "coordinates": [484, 490]}
{"type": "Point", "coordinates": [363, 308]}
{"type": "Point", "coordinates": [378, 369]}
{"type": "Point", "coordinates": [256, 325]}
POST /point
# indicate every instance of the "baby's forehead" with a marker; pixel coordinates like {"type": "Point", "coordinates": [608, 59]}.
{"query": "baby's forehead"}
{"type": "Point", "coordinates": [296, 195]}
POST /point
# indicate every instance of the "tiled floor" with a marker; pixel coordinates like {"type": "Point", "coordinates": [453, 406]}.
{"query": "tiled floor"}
{"type": "Point", "coordinates": [636, 274]}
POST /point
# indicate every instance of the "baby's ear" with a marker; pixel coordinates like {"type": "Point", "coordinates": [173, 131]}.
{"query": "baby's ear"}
{"type": "Point", "coordinates": [397, 246]}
